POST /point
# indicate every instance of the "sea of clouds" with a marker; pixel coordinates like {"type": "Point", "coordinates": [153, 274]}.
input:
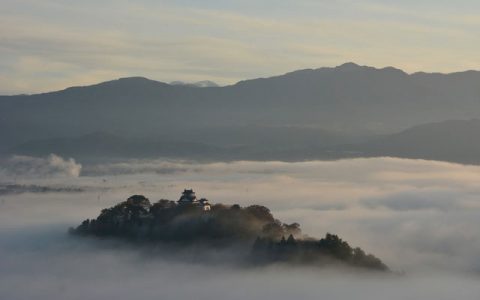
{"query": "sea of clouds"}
{"type": "Point", "coordinates": [420, 217]}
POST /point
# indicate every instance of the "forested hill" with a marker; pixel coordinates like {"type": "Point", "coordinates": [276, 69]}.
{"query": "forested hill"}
{"type": "Point", "coordinates": [190, 222]}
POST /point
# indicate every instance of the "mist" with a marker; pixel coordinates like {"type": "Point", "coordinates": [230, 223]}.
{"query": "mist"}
{"type": "Point", "coordinates": [415, 215]}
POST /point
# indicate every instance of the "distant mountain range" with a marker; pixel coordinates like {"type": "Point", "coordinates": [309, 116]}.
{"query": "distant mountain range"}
{"type": "Point", "coordinates": [454, 141]}
{"type": "Point", "coordinates": [327, 112]}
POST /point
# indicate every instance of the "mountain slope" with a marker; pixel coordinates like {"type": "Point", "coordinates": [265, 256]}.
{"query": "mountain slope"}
{"type": "Point", "coordinates": [349, 99]}
{"type": "Point", "coordinates": [454, 141]}
{"type": "Point", "coordinates": [253, 143]}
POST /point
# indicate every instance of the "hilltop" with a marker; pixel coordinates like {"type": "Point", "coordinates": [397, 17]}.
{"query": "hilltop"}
{"type": "Point", "coordinates": [190, 222]}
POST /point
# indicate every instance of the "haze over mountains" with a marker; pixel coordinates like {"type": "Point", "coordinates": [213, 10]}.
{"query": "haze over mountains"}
{"type": "Point", "coordinates": [454, 141]}
{"type": "Point", "coordinates": [345, 111]}
{"type": "Point", "coordinates": [200, 84]}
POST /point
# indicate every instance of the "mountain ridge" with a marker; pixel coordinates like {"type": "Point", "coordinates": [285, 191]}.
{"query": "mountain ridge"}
{"type": "Point", "coordinates": [351, 100]}
{"type": "Point", "coordinates": [452, 141]}
{"type": "Point", "coordinates": [345, 67]}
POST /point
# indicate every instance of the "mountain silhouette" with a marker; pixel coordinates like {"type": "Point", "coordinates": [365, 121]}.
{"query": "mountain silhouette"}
{"type": "Point", "coordinates": [453, 140]}
{"type": "Point", "coordinates": [324, 107]}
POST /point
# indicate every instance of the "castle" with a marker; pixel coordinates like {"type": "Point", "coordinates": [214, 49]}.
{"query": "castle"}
{"type": "Point", "coordinates": [189, 198]}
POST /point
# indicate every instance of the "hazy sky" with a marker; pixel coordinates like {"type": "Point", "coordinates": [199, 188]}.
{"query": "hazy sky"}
{"type": "Point", "coordinates": [51, 44]}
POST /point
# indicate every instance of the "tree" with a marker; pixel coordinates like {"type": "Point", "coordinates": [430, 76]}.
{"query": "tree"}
{"type": "Point", "coordinates": [291, 240]}
{"type": "Point", "coordinates": [293, 229]}
{"type": "Point", "coordinates": [273, 230]}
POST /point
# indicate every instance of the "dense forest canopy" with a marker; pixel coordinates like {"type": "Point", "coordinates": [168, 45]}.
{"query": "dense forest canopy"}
{"type": "Point", "coordinates": [189, 221]}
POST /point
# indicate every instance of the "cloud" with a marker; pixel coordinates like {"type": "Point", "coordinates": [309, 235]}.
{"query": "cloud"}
{"type": "Point", "coordinates": [52, 166]}
{"type": "Point", "coordinates": [7, 189]}
{"type": "Point", "coordinates": [417, 216]}
{"type": "Point", "coordinates": [45, 266]}
{"type": "Point", "coordinates": [416, 200]}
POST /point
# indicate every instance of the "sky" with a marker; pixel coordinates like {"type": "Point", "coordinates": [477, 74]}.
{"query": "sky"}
{"type": "Point", "coordinates": [52, 44]}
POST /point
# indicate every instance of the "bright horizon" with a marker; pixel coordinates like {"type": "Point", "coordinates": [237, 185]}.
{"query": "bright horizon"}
{"type": "Point", "coordinates": [50, 45]}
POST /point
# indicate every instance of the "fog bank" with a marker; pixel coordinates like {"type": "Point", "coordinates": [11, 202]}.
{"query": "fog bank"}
{"type": "Point", "coordinates": [420, 217]}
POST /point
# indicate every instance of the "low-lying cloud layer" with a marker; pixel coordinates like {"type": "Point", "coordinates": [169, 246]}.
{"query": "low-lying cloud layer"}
{"type": "Point", "coordinates": [418, 216]}
{"type": "Point", "coordinates": [34, 167]}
